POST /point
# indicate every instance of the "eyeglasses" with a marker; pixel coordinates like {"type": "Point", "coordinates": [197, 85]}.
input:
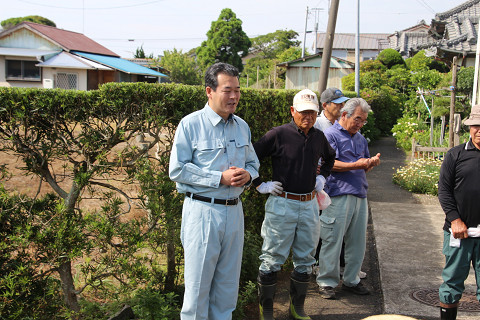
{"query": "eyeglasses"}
{"type": "Point", "coordinates": [359, 120]}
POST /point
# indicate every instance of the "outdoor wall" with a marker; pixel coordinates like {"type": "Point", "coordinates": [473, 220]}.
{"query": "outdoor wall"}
{"type": "Point", "coordinates": [307, 77]}
{"type": "Point", "coordinates": [50, 73]}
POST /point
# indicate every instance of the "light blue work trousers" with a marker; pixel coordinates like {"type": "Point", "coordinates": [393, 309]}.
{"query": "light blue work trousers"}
{"type": "Point", "coordinates": [289, 224]}
{"type": "Point", "coordinates": [457, 267]}
{"type": "Point", "coordinates": [212, 238]}
{"type": "Point", "coordinates": [344, 220]}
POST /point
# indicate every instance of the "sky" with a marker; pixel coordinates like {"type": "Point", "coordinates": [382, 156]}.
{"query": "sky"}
{"type": "Point", "coordinates": [125, 25]}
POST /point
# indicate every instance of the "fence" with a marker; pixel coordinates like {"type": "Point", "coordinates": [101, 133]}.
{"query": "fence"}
{"type": "Point", "coordinates": [420, 152]}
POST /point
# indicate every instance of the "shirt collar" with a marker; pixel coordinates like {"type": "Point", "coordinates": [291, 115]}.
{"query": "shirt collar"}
{"type": "Point", "coordinates": [470, 146]}
{"type": "Point", "coordinates": [312, 129]}
{"type": "Point", "coordinates": [213, 117]}
{"type": "Point", "coordinates": [339, 127]}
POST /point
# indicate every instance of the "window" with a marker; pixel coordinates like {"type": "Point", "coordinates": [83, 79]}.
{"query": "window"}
{"type": "Point", "coordinates": [22, 70]}
{"type": "Point", "coordinates": [66, 81]}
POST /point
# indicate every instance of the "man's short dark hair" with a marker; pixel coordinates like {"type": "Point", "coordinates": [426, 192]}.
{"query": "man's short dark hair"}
{"type": "Point", "coordinates": [211, 75]}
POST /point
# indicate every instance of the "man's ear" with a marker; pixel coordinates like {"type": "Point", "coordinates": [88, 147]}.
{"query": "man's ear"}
{"type": "Point", "coordinates": [292, 110]}
{"type": "Point", "coordinates": [209, 91]}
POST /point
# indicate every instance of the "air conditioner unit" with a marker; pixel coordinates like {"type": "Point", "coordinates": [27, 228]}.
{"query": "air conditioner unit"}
{"type": "Point", "coordinates": [48, 83]}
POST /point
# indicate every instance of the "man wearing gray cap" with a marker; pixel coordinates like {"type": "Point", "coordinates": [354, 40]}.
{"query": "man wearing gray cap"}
{"type": "Point", "coordinates": [291, 211]}
{"type": "Point", "coordinates": [458, 193]}
{"type": "Point", "coordinates": [332, 100]}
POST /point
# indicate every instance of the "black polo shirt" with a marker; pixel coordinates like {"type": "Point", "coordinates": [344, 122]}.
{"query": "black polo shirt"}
{"type": "Point", "coordinates": [459, 185]}
{"type": "Point", "coordinates": [295, 156]}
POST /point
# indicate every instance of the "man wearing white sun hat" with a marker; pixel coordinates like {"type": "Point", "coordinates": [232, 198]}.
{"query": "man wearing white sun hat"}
{"type": "Point", "coordinates": [291, 211]}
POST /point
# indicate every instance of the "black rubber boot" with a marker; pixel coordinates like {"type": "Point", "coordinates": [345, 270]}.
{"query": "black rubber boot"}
{"type": "Point", "coordinates": [448, 313]}
{"type": "Point", "coordinates": [267, 284]}
{"type": "Point", "coordinates": [298, 292]}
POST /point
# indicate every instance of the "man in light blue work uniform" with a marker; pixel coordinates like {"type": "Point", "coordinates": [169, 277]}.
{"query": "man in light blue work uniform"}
{"type": "Point", "coordinates": [212, 159]}
{"type": "Point", "coordinates": [346, 217]}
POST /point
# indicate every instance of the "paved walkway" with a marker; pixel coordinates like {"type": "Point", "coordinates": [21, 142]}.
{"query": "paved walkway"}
{"type": "Point", "coordinates": [403, 258]}
{"type": "Point", "coordinates": [409, 240]}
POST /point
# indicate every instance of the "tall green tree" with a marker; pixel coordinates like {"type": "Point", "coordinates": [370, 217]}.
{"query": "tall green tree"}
{"type": "Point", "coordinates": [12, 22]}
{"type": "Point", "coordinates": [226, 42]}
{"type": "Point", "coordinates": [272, 44]}
{"type": "Point", "coordinates": [140, 54]}
{"type": "Point", "coordinates": [182, 67]}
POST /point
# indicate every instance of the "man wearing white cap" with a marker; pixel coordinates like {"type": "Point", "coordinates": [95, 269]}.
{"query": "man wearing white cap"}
{"type": "Point", "coordinates": [458, 193]}
{"type": "Point", "coordinates": [291, 211]}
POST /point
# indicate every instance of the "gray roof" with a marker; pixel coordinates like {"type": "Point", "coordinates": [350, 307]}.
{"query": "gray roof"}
{"type": "Point", "coordinates": [368, 41]}
{"type": "Point", "coordinates": [454, 31]}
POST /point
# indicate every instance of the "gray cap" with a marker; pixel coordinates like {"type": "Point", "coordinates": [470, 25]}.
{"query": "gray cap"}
{"type": "Point", "coordinates": [333, 95]}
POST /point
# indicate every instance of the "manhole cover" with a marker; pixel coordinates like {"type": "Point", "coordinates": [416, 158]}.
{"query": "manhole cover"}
{"type": "Point", "coordinates": [430, 297]}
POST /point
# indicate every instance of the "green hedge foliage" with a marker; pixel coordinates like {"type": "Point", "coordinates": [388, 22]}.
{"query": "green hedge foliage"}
{"type": "Point", "coordinates": [94, 122]}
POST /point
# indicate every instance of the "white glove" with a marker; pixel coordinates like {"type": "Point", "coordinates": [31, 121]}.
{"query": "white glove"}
{"type": "Point", "coordinates": [320, 183]}
{"type": "Point", "coordinates": [473, 232]}
{"type": "Point", "coordinates": [273, 187]}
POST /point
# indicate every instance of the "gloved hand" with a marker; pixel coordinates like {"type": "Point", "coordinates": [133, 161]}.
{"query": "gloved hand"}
{"type": "Point", "coordinates": [320, 183]}
{"type": "Point", "coordinates": [473, 232]}
{"type": "Point", "coordinates": [272, 187]}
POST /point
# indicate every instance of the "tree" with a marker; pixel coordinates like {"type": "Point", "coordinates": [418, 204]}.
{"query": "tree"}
{"type": "Point", "coordinates": [226, 42]}
{"type": "Point", "coordinates": [182, 67]}
{"type": "Point", "coordinates": [140, 54]}
{"type": "Point", "coordinates": [272, 44]}
{"type": "Point", "coordinates": [12, 22]}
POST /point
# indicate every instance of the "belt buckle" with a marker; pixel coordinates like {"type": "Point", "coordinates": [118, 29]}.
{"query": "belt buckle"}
{"type": "Point", "coordinates": [231, 202]}
{"type": "Point", "coordinates": [303, 197]}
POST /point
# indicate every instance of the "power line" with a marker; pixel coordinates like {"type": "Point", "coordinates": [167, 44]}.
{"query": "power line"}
{"type": "Point", "coordinates": [425, 5]}
{"type": "Point", "coordinates": [105, 8]}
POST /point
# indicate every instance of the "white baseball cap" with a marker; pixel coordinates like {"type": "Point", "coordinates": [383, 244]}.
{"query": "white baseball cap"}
{"type": "Point", "coordinates": [305, 100]}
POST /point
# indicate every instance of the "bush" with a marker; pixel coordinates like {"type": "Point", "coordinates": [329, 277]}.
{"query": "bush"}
{"type": "Point", "coordinates": [419, 176]}
{"type": "Point", "coordinates": [390, 57]}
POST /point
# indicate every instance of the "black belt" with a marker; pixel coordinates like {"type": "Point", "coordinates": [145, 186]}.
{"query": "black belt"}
{"type": "Point", "coordinates": [226, 202]}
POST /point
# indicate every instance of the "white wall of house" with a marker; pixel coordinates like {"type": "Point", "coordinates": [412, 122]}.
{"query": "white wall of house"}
{"type": "Point", "coordinates": [51, 75]}
{"type": "Point", "coordinates": [307, 77]}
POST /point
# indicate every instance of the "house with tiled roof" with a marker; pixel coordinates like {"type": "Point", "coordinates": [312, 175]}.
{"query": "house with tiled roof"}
{"type": "Point", "coordinates": [343, 47]}
{"type": "Point", "coordinates": [36, 55]}
{"type": "Point", "coordinates": [451, 33]}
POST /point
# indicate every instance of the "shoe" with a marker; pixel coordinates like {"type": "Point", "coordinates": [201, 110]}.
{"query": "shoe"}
{"type": "Point", "coordinates": [362, 275]}
{"type": "Point", "coordinates": [326, 292]}
{"type": "Point", "coordinates": [358, 289]}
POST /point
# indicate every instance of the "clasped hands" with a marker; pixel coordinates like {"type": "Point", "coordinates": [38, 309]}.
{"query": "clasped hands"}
{"type": "Point", "coordinates": [368, 163]}
{"type": "Point", "coordinates": [235, 177]}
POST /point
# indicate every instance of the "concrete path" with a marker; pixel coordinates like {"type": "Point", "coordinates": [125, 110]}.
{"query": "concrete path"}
{"type": "Point", "coordinates": [409, 241]}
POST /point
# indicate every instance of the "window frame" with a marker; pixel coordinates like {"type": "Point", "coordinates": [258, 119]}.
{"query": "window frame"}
{"type": "Point", "coordinates": [22, 76]}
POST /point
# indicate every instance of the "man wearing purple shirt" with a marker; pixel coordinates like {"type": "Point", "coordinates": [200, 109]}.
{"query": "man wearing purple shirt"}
{"type": "Point", "coordinates": [346, 218]}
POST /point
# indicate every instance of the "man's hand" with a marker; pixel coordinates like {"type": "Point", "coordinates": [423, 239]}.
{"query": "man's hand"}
{"type": "Point", "coordinates": [459, 229]}
{"type": "Point", "coordinates": [362, 163]}
{"type": "Point", "coordinates": [272, 187]}
{"type": "Point", "coordinates": [374, 161]}
{"type": "Point", "coordinates": [319, 183]}
{"type": "Point", "coordinates": [235, 177]}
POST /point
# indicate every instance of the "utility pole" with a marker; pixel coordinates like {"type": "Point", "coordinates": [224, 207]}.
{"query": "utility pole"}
{"type": "Point", "coordinates": [357, 52]}
{"type": "Point", "coordinates": [305, 34]}
{"type": "Point", "coordinates": [327, 48]}
{"type": "Point", "coordinates": [452, 103]}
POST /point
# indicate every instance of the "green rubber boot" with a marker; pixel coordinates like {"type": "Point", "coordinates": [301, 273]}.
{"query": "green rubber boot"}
{"type": "Point", "coordinates": [298, 292]}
